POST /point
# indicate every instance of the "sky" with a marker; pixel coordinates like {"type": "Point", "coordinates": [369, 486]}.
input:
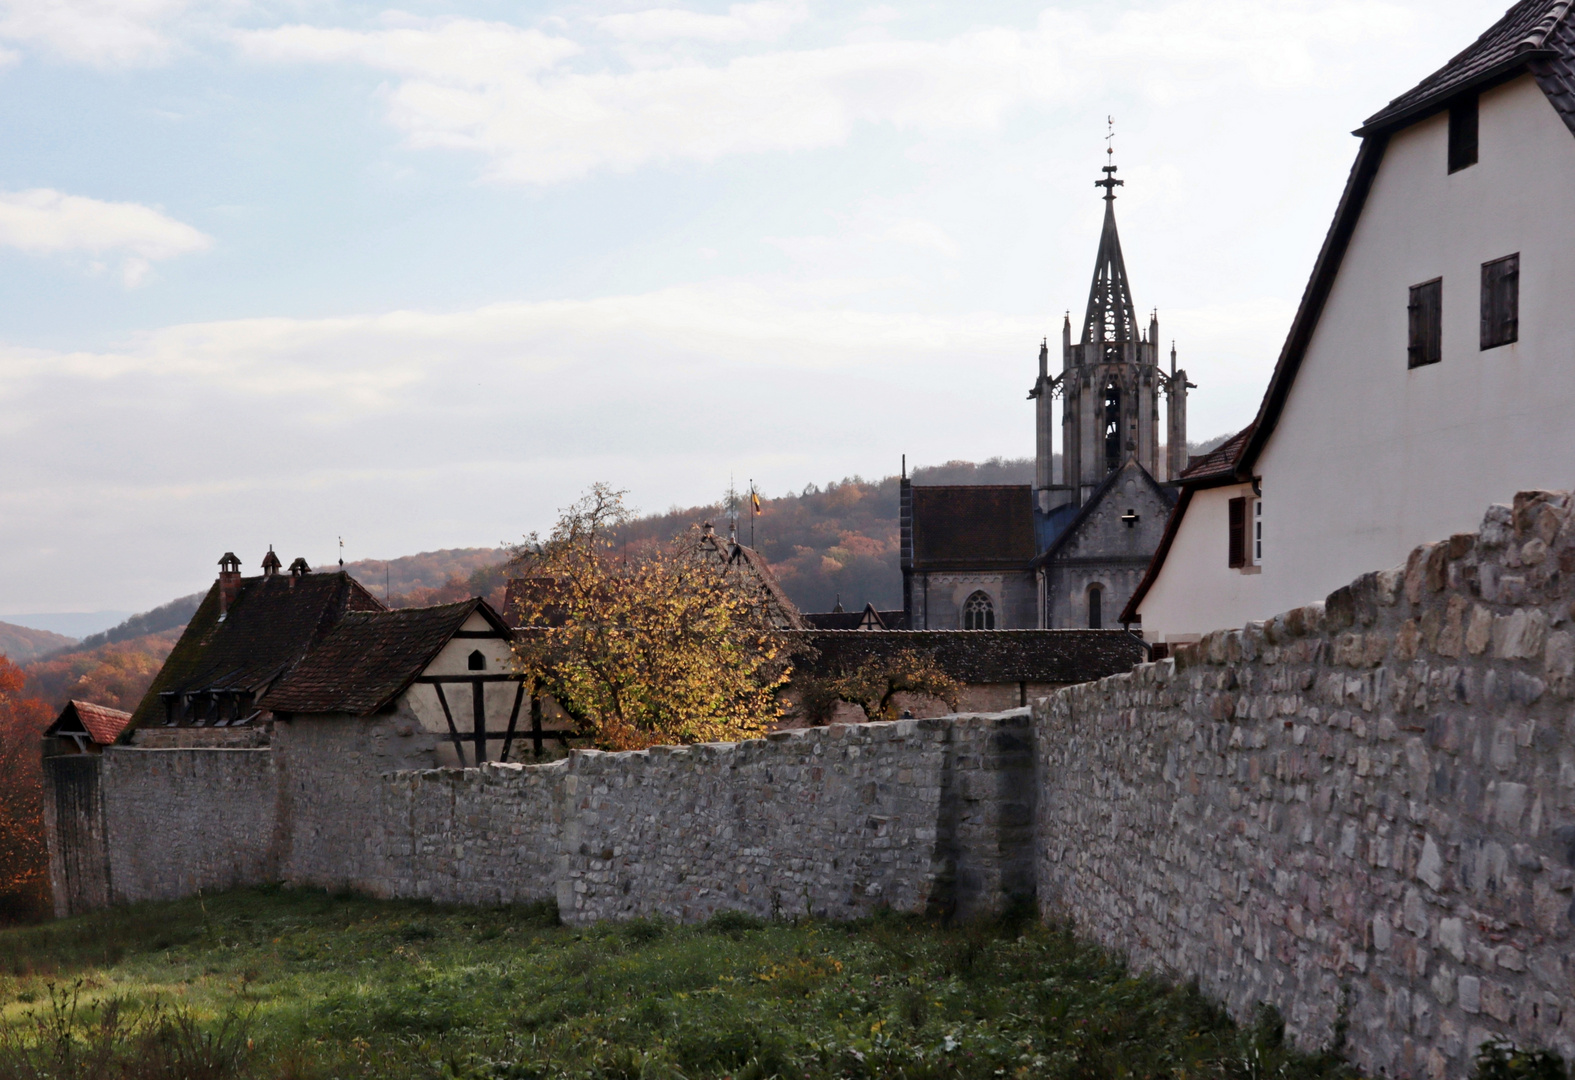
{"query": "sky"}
{"type": "Point", "coordinates": [289, 271]}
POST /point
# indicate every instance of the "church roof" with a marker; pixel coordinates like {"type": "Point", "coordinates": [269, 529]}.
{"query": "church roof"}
{"type": "Point", "coordinates": [1535, 37]}
{"type": "Point", "coordinates": [1086, 511]}
{"type": "Point", "coordinates": [1110, 316]}
{"type": "Point", "coordinates": [976, 656]}
{"type": "Point", "coordinates": [973, 526]}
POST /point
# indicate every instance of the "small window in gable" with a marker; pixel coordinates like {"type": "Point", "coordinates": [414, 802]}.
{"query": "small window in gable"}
{"type": "Point", "coordinates": [979, 612]}
{"type": "Point", "coordinates": [1463, 133]}
{"type": "Point", "coordinates": [478, 662]}
{"type": "Point", "coordinates": [1427, 324]}
{"type": "Point", "coordinates": [1501, 301]}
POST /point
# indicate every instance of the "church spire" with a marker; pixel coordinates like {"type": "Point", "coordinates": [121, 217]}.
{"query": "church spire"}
{"type": "Point", "coordinates": [1111, 317]}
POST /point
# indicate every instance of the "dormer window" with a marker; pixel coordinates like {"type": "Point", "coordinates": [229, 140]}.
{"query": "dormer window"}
{"type": "Point", "coordinates": [1463, 133]}
{"type": "Point", "coordinates": [478, 662]}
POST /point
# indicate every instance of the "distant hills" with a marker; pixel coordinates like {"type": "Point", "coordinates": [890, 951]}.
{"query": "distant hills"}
{"type": "Point", "coordinates": [22, 644]}
{"type": "Point", "coordinates": [838, 542]}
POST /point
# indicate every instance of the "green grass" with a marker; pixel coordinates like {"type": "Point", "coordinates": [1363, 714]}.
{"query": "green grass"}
{"type": "Point", "coordinates": [301, 984]}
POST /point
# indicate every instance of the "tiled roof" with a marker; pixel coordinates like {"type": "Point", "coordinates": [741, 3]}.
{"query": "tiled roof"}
{"type": "Point", "coordinates": [1220, 462]}
{"type": "Point", "coordinates": [101, 723]}
{"type": "Point", "coordinates": [269, 628]}
{"type": "Point", "coordinates": [978, 656]}
{"type": "Point", "coordinates": [368, 658]}
{"type": "Point", "coordinates": [854, 620]}
{"type": "Point", "coordinates": [1531, 31]}
{"type": "Point", "coordinates": [973, 526]}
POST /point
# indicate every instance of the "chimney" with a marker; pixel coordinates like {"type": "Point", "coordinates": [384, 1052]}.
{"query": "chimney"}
{"type": "Point", "coordinates": [270, 563]}
{"type": "Point", "coordinates": [298, 569]}
{"type": "Point", "coordinates": [229, 582]}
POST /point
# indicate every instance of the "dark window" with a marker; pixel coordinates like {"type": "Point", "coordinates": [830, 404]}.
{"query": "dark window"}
{"type": "Point", "coordinates": [1463, 133]}
{"type": "Point", "coordinates": [1112, 427]}
{"type": "Point", "coordinates": [477, 661]}
{"type": "Point", "coordinates": [1427, 323]}
{"type": "Point", "coordinates": [978, 612]}
{"type": "Point", "coordinates": [1238, 532]}
{"type": "Point", "coordinates": [1501, 301]}
{"type": "Point", "coordinates": [1096, 608]}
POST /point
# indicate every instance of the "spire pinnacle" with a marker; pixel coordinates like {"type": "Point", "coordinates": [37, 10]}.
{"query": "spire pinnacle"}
{"type": "Point", "coordinates": [1111, 318]}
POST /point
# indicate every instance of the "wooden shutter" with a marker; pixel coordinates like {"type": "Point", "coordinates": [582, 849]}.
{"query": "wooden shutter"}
{"type": "Point", "coordinates": [1501, 301]}
{"type": "Point", "coordinates": [1427, 324]}
{"type": "Point", "coordinates": [1238, 532]}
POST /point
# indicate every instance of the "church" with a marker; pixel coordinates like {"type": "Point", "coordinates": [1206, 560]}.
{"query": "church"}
{"type": "Point", "coordinates": [1069, 550]}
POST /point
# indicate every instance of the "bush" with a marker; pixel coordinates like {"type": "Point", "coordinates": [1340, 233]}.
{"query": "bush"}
{"type": "Point", "coordinates": [1500, 1059]}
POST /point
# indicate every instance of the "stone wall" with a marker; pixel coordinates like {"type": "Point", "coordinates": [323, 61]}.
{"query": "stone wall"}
{"type": "Point", "coordinates": [1362, 811]}
{"type": "Point", "coordinates": [919, 815]}
{"type": "Point", "coordinates": [74, 823]}
{"type": "Point", "coordinates": [182, 821]}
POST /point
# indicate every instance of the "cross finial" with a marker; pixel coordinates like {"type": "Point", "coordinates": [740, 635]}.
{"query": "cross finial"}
{"type": "Point", "coordinates": [1109, 183]}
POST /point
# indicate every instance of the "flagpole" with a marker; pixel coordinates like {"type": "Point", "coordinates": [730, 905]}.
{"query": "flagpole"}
{"type": "Point", "coordinates": [754, 508]}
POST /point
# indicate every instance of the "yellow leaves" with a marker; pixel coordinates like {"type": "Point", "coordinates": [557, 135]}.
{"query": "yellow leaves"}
{"type": "Point", "coordinates": [646, 646]}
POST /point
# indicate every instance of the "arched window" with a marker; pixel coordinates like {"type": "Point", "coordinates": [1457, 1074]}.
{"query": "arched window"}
{"type": "Point", "coordinates": [978, 612]}
{"type": "Point", "coordinates": [478, 662]}
{"type": "Point", "coordinates": [1096, 607]}
{"type": "Point", "coordinates": [1112, 427]}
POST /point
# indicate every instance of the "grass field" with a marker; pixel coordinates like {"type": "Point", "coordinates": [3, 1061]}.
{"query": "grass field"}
{"type": "Point", "coordinates": [285, 984]}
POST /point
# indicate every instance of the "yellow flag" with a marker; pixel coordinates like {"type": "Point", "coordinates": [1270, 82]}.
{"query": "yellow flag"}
{"type": "Point", "coordinates": [754, 497]}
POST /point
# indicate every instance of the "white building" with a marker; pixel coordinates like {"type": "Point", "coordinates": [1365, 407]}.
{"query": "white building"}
{"type": "Point", "coordinates": [1430, 370]}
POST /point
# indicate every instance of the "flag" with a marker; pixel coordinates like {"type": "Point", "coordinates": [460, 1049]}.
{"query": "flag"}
{"type": "Point", "coordinates": [754, 498]}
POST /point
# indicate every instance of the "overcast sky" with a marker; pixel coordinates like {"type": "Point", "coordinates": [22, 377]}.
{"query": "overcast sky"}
{"type": "Point", "coordinates": [277, 271]}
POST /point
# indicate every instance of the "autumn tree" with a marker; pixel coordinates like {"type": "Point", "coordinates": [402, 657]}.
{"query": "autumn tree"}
{"type": "Point", "coordinates": [24, 859]}
{"type": "Point", "coordinates": [644, 644]}
{"type": "Point", "coordinates": [874, 684]}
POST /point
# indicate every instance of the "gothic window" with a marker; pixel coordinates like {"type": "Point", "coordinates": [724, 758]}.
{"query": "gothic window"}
{"type": "Point", "coordinates": [1426, 312]}
{"type": "Point", "coordinates": [978, 612]}
{"type": "Point", "coordinates": [1463, 133]}
{"type": "Point", "coordinates": [1112, 427]}
{"type": "Point", "coordinates": [478, 662]}
{"type": "Point", "coordinates": [1501, 301]}
{"type": "Point", "coordinates": [1096, 607]}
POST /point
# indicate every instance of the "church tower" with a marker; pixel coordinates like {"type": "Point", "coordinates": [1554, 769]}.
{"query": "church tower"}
{"type": "Point", "coordinates": [1110, 384]}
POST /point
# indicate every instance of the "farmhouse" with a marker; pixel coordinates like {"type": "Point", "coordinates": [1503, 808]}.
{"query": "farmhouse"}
{"type": "Point", "coordinates": [1427, 372]}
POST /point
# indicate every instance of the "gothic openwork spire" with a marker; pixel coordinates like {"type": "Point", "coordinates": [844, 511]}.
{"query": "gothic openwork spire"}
{"type": "Point", "coordinates": [1111, 319]}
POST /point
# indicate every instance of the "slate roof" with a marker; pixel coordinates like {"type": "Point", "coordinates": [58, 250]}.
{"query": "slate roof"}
{"type": "Point", "coordinates": [973, 526]}
{"type": "Point", "coordinates": [1533, 33]}
{"type": "Point", "coordinates": [977, 656]}
{"type": "Point", "coordinates": [368, 658]}
{"type": "Point", "coordinates": [101, 723]}
{"type": "Point", "coordinates": [854, 620]}
{"type": "Point", "coordinates": [269, 628]}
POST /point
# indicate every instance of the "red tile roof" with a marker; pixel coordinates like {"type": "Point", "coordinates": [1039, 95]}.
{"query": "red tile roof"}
{"type": "Point", "coordinates": [101, 723]}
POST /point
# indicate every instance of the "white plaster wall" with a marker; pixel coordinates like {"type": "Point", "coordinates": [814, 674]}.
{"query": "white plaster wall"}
{"type": "Point", "coordinates": [1369, 458]}
{"type": "Point", "coordinates": [454, 659]}
{"type": "Point", "coordinates": [1199, 590]}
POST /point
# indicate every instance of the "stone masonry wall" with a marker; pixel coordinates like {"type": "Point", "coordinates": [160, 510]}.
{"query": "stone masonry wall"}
{"type": "Point", "coordinates": [180, 821]}
{"type": "Point", "coordinates": [915, 814]}
{"type": "Point", "coordinates": [1361, 811]}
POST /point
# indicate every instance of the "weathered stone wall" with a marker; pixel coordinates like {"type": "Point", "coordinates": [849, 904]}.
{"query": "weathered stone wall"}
{"type": "Point", "coordinates": [915, 814]}
{"type": "Point", "coordinates": [74, 823]}
{"type": "Point", "coordinates": [1361, 811]}
{"type": "Point", "coordinates": [180, 821]}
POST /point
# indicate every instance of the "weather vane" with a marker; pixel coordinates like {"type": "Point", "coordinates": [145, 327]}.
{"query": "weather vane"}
{"type": "Point", "coordinates": [1109, 183]}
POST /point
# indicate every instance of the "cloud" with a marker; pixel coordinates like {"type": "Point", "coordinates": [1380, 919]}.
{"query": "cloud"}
{"type": "Point", "coordinates": [764, 20]}
{"type": "Point", "coordinates": [102, 33]}
{"type": "Point", "coordinates": [542, 110]}
{"type": "Point", "coordinates": [46, 222]}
